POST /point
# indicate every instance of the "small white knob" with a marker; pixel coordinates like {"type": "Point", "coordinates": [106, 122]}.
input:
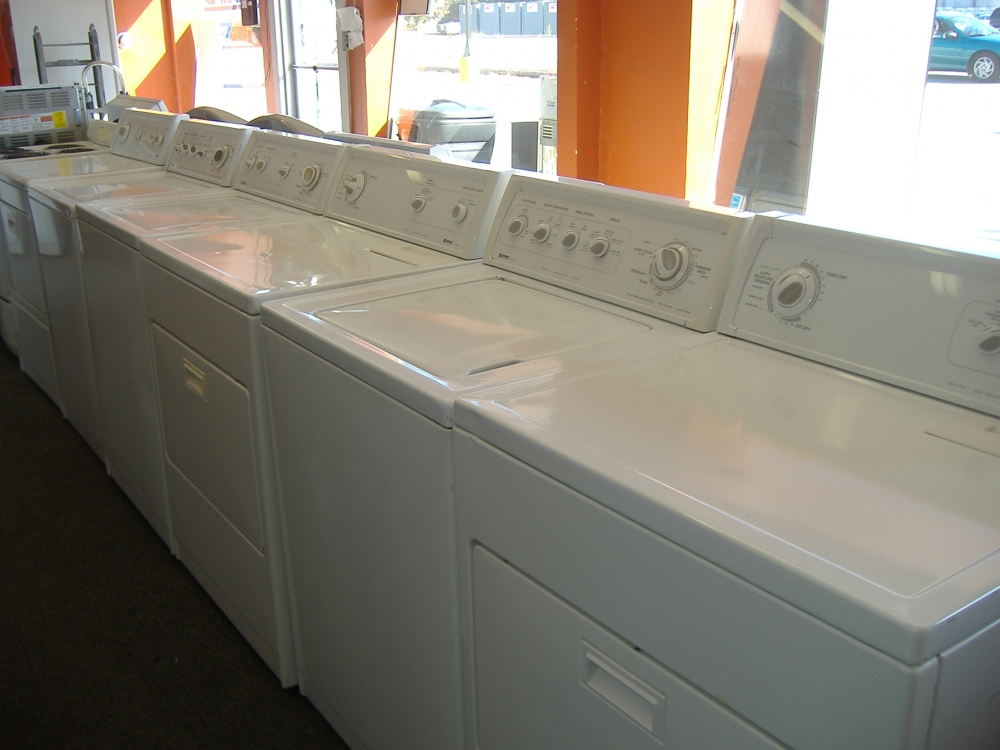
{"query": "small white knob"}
{"type": "Point", "coordinates": [418, 203]}
{"type": "Point", "coordinates": [283, 170]}
{"type": "Point", "coordinates": [261, 165]}
{"type": "Point", "coordinates": [250, 161]}
{"type": "Point", "coordinates": [517, 225]}
{"type": "Point", "coordinates": [459, 212]}
{"type": "Point", "coordinates": [150, 138]}
{"type": "Point", "coordinates": [310, 176]}
{"type": "Point", "coordinates": [570, 240]}
{"type": "Point", "coordinates": [599, 247]}
{"type": "Point", "coordinates": [541, 233]}
{"type": "Point", "coordinates": [123, 131]}
{"type": "Point", "coordinates": [201, 153]}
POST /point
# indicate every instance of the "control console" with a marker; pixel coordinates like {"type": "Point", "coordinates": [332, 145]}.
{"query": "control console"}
{"type": "Point", "coordinates": [210, 151]}
{"type": "Point", "coordinates": [923, 318]}
{"type": "Point", "coordinates": [295, 170]}
{"type": "Point", "coordinates": [661, 256]}
{"type": "Point", "coordinates": [440, 205]}
{"type": "Point", "coordinates": [146, 135]}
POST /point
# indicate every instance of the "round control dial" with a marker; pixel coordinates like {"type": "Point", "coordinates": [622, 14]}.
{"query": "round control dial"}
{"type": "Point", "coordinates": [541, 233]}
{"type": "Point", "coordinates": [261, 165]}
{"type": "Point", "coordinates": [988, 340]}
{"type": "Point", "coordinates": [311, 175]}
{"type": "Point", "coordinates": [418, 203]}
{"type": "Point", "coordinates": [794, 291]}
{"type": "Point", "coordinates": [599, 246]}
{"type": "Point", "coordinates": [123, 131]}
{"type": "Point", "coordinates": [250, 161]}
{"type": "Point", "coordinates": [517, 225]}
{"type": "Point", "coordinates": [671, 264]}
{"type": "Point", "coordinates": [220, 155]}
{"type": "Point", "coordinates": [570, 240]}
{"type": "Point", "coordinates": [354, 187]}
{"type": "Point", "coordinates": [283, 170]}
{"type": "Point", "coordinates": [459, 211]}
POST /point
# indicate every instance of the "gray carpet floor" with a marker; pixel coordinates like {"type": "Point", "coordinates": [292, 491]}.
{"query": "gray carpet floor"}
{"type": "Point", "coordinates": [106, 640]}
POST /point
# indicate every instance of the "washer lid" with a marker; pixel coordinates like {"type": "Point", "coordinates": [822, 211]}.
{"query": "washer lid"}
{"type": "Point", "coordinates": [248, 266]}
{"type": "Point", "coordinates": [64, 195]}
{"type": "Point", "coordinates": [466, 329]}
{"type": "Point", "coordinates": [820, 487]}
{"type": "Point", "coordinates": [20, 172]}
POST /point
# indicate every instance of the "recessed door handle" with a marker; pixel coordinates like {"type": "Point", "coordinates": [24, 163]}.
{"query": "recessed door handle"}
{"type": "Point", "coordinates": [194, 379]}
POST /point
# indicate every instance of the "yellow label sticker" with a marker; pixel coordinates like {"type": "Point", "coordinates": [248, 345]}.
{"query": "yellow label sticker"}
{"type": "Point", "coordinates": [65, 167]}
{"type": "Point", "coordinates": [59, 119]}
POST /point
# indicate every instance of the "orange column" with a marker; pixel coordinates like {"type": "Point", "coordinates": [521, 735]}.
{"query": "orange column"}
{"type": "Point", "coordinates": [371, 67]}
{"type": "Point", "coordinates": [624, 72]}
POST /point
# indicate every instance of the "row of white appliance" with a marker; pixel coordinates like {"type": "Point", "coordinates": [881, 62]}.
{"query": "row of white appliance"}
{"type": "Point", "coordinates": [540, 500]}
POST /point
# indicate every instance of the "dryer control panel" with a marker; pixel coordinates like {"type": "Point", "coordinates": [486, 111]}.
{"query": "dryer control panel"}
{"type": "Point", "coordinates": [291, 169]}
{"type": "Point", "coordinates": [146, 135]}
{"type": "Point", "coordinates": [438, 204]}
{"type": "Point", "coordinates": [209, 151]}
{"type": "Point", "coordinates": [657, 255]}
{"type": "Point", "coordinates": [922, 318]}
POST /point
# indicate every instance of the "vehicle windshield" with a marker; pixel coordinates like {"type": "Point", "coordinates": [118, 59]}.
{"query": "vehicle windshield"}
{"type": "Point", "coordinates": [972, 26]}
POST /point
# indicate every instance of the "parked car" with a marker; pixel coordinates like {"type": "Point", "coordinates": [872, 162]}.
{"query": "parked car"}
{"type": "Point", "coordinates": [964, 43]}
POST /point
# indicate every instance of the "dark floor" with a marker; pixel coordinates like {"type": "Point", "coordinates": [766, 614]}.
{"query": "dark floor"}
{"type": "Point", "coordinates": [105, 639]}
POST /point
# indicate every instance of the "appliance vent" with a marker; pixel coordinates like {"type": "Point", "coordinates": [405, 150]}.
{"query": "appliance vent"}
{"type": "Point", "coordinates": [37, 99]}
{"type": "Point", "coordinates": [60, 98]}
{"type": "Point", "coordinates": [13, 100]}
{"type": "Point", "coordinates": [16, 141]}
{"type": "Point", "coordinates": [65, 136]}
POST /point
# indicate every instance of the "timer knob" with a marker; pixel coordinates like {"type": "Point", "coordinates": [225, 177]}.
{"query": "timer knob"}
{"type": "Point", "coordinates": [220, 155]}
{"type": "Point", "coordinates": [354, 186]}
{"type": "Point", "coordinates": [541, 232]}
{"type": "Point", "coordinates": [261, 165]}
{"type": "Point", "coordinates": [123, 131]}
{"type": "Point", "coordinates": [418, 203]}
{"type": "Point", "coordinates": [459, 212]}
{"type": "Point", "coordinates": [670, 264]}
{"type": "Point", "coordinates": [311, 175]}
{"type": "Point", "coordinates": [794, 291]}
{"type": "Point", "coordinates": [988, 340]}
{"type": "Point", "coordinates": [517, 225]}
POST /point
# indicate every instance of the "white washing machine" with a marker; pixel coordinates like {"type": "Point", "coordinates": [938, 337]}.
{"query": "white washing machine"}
{"type": "Point", "coordinates": [142, 143]}
{"type": "Point", "coordinates": [204, 157]}
{"type": "Point", "coordinates": [783, 537]}
{"type": "Point", "coordinates": [363, 384]}
{"type": "Point", "coordinates": [119, 328]}
{"type": "Point", "coordinates": [203, 296]}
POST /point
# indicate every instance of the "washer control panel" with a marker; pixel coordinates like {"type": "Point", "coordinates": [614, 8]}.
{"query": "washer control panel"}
{"type": "Point", "coordinates": [652, 254]}
{"type": "Point", "coordinates": [292, 169]}
{"type": "Point", "coordinates": [440, 205]}
{"type": "Point", "coordinates": [923, 318]}
{"type": "Point", "coordinates": [146, 135]}
{"type": "Point", "coordinates": [210, 151]}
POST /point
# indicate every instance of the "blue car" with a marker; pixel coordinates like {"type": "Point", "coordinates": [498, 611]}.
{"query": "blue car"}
{"type": "Point", "coordinates": [966, 44]}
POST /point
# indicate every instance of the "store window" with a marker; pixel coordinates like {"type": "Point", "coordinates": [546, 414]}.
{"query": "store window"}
{"type": "Point", "coordinates": [314, 63]}
{"type": "Point", "coordinates": [479, 77]}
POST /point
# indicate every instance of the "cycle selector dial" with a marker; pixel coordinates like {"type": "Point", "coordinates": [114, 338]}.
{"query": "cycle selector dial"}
{"type": "Point", "coordinates": [220, 155]}
{"type": "Point", "coordinates": [599, 247]}
{"type": "Point", "coordinates": [794, 291]}
{"type": "Point", "coordinates": [570, 240]}
{"type": "Point", "coordinates": [261, 165]}
{"type": "Point", "coordinates": [671, 264]}
{"type": "Point", "coordinates": [541, 233]}
{"type": "Point", "coordinates": [517, 225]}
{"type": "Point", "coordinates": [418, 203]}
{"type": "Point", "coordinates": [354, 186]}
{"type": "Point", "coordinates": [284, 170]}
{"type": "Point", "coordinates": [988, 341]}
{"type": "Point", "coordinates": [459, 212]}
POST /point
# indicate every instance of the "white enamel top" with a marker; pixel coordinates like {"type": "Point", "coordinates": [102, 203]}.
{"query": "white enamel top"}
{"type": "Point", "coordinates": [129, 187]}
{"type": "Point", "coordinates": [820, 487]}
{"type": "Point", "coordinates": [248, 266]}
{"type": "Point", "coordinates": [428, 339]}
{"type": "Point", "coordinates": [206, 212]}
{"type": "Point", "coordinates": [21, 171]}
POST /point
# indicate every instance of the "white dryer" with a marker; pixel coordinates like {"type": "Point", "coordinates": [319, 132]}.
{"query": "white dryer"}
{"type": "Point", "coordinates": [363, 384]}
{"type": "Point", "coordinates": [787, 538]}
{"type": "Point", "coordinates": [204, 157]}
{"type": "Point", "coordinates": [119, 328]}
{"type": "Point", "coordinates": [142, 143]}
{"type": "Point", "coordinates": [203, 297]}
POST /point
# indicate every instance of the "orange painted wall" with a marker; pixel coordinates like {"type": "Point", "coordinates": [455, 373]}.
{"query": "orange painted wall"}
{"type": "Point", "coordinates": [624, 71]}
{"type": "Point", "coordinates": [161, 61]}
{"type": "Point", "coordinates": [370, 74]}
